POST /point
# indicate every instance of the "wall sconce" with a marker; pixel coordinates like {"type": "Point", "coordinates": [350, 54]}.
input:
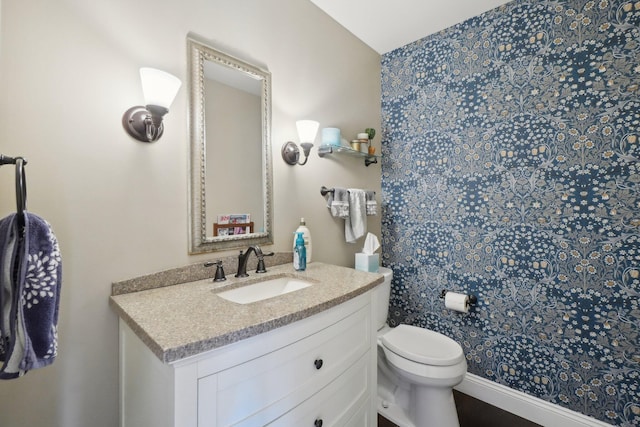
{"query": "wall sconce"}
{"type": "Point", "coordinates": [160, 89]}
{"type": "Point", "coordinates": [307, 130]}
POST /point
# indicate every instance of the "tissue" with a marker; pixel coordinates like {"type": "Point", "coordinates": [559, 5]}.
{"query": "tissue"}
{"type": "Point", "coordinates": [367, 260]}
{"type": "Point", "coordinates": [371, 244]}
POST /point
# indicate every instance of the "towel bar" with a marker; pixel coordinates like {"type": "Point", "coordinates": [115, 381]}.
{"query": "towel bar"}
{"type": "Point", "coordinates": [324, 190]}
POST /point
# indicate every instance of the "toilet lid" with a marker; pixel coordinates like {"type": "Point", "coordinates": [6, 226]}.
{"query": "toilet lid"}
{"type": "Point", "coordinates": [423, 346]}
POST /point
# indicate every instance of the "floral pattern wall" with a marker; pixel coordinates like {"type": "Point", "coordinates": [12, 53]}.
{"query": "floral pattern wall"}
{"type": "Point", "coordinates": [510, 171]}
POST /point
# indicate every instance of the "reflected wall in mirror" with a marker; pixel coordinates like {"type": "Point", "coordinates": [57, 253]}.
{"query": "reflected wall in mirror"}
{"type": "Point", "coordinates": [230, 162]}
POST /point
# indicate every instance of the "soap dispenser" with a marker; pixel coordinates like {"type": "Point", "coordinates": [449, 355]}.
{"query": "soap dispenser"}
{"type": "Point", "coordinates": [306, 235]}
{"type": "Point", "coordinates": [299, 254]}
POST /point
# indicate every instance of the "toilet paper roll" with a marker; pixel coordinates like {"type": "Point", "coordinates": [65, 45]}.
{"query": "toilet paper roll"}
{"type": "Point", "coordinates": [457, 302]}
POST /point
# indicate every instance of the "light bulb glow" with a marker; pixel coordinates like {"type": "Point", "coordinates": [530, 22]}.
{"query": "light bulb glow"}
{"type": "Point", "coordinates": [159, 87]}
{"type": "Point", "coordinates": [307, 130]}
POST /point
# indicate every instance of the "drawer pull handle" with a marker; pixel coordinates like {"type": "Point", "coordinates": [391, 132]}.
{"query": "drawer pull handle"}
{"type": "Point", "coordinates": [318, 423]}
{"type": "Point", "coordinates": [318, 364]}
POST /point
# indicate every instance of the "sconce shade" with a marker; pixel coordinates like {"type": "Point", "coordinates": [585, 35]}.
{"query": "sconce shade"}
{"type": "Point", "coordinates": [159, 87]}
{"type": "Point", "coordinates": [307, 130]}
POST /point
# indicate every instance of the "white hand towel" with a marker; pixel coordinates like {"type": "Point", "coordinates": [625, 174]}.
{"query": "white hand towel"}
{"type": "Point", "coordinates": [355, 226]}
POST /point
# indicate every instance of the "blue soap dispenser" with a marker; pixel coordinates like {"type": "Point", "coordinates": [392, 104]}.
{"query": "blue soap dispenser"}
{"type": "Point", "coordinates": [300, 254]}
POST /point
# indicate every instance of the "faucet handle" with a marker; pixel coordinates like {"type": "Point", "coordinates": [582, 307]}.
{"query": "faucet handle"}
{"type": "Point", "coordinates": [261, 268]}
{"type": "Point", "coordinates": [220, 277]}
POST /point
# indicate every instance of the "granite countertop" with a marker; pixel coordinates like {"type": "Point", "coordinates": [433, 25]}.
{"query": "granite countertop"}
{"type": "Point", "coordinates": [186, 319]}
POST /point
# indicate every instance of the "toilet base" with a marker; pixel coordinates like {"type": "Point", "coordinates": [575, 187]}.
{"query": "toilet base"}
{"type": "Point", "coordinates": [433, 407]}
{"type": "Point", "coordinates": [439, 412]}
{"type": "Point", "coordinates": [394, 413]}
{"type": "Point", "coordinates": [411, 405]}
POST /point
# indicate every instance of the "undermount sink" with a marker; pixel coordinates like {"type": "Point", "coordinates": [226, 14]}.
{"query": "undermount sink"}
{"type": "Point", "coordinates": [264, 290]}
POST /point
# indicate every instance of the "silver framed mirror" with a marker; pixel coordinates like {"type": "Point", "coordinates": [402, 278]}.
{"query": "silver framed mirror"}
{"type": "Point", "coordinates": [230, 161]}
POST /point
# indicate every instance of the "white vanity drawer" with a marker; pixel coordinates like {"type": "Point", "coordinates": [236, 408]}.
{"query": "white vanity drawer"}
{"type": "Point", "coordinates": [343, 403]}
{"type": "Point", "coordinates": [259, 391]}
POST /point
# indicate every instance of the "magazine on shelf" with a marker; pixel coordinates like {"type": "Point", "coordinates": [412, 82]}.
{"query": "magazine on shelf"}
{"type": "Point", "coordinates": [234, 219]}
{"type": "Point", "coordinates": [233, 231]}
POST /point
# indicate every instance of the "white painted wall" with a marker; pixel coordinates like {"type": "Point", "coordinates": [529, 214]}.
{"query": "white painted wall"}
{"type": "Point", "coordinates": [68, 71]}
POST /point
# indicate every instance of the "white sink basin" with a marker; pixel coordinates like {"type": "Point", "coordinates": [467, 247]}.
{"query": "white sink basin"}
{"type": "Point", "coordinates": [264, 290]}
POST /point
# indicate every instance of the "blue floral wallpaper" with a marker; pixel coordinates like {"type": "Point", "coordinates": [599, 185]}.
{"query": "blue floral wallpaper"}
{"type": "Point", "coordinates": [510, 171]}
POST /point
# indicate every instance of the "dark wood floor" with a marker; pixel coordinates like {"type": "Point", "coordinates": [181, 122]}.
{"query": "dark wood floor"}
{"type": "Point", "coordinates": [475, 413]}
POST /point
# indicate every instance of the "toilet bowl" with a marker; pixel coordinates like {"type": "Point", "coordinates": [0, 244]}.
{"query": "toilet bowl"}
{"type": "Point", "coordinates": [417, 370]}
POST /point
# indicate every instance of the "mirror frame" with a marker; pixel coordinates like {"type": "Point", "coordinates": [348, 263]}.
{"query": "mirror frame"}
{"type": "Point", "coordinates": [198, 52]}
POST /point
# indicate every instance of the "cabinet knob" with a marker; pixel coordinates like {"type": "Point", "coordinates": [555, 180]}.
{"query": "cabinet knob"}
{"type": "Point", "coordinates": [318, 422]}
{"type": "Point", "coordinates": [318, 365]}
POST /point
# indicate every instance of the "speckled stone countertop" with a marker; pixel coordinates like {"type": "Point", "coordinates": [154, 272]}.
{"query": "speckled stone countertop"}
{"type": "Point", "coordinates": [186, 319]}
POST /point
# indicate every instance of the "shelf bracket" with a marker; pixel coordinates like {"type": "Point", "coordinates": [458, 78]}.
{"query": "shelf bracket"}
{"type": "Point", "coordinates": [324, 149]}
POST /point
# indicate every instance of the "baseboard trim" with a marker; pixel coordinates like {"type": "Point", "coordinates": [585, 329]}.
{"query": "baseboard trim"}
{"type": "Point", "coordinates": [531, 408]}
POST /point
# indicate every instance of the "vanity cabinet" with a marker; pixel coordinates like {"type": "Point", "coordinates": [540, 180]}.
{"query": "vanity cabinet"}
{"type": "Point", "coordinates": [319, 371]}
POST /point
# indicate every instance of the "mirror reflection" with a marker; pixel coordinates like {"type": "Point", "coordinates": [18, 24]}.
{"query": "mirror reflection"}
{"type": "Point", "coordinates": [230, 203]}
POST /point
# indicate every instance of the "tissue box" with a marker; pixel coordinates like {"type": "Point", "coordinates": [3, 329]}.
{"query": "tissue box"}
{"type": "Point", "coordinates": [365, 262]}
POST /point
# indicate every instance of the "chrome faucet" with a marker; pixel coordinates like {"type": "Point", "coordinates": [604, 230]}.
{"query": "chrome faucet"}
{"type": "Point", "coordinates": [243, 257]}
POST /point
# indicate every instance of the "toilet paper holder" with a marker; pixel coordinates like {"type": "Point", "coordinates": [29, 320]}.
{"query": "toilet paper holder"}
{"type": "Point", "coordinates": [472, 298]}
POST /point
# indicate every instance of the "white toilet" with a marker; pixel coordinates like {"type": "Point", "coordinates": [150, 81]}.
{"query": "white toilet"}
{"type": "Point", "coordinates": [417, 370]}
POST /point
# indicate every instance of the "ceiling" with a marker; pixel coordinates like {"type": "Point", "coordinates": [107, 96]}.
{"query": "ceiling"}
{"type": "Point", "coordinates": [385, 25]}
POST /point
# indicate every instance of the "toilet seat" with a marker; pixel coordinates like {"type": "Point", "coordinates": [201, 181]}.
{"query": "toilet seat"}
{"type": "Point", "coordinates": [423, 346]}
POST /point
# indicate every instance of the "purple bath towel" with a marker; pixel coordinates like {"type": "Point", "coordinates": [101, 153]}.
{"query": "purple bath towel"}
{"type": "Point", "coordinates": [30, 281]}
{"type": "Point", "coordinates": [9, 354]}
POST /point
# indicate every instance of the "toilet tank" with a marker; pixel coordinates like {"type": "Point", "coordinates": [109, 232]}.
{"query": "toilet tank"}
{"type": "Point", "coordinates": [382, 293]}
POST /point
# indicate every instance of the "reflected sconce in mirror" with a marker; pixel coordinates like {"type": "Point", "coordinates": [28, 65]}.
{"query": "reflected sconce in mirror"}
{"type": "Point", "coordinates": [307, 130]}
{"type": "Point", "coordinates": [160, 89]}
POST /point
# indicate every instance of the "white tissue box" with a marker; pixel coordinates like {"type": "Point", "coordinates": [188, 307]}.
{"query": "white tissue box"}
{"type": "Point", "coordinates": [366, 262]}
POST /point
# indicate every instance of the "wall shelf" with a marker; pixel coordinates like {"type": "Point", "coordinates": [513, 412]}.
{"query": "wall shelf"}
{"type": "Point", "coordinates": [323, 150]}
